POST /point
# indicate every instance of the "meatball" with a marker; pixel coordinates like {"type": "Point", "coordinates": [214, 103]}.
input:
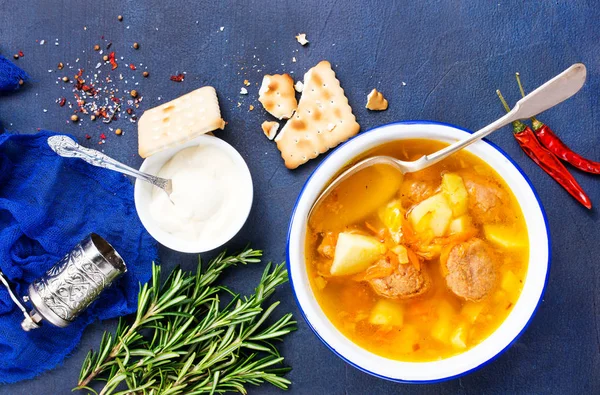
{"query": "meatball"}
{"type": "Point", "coordinates": [487, 199]}
{"type": "Point", "coordinates": [418, 186]}
{"type": "Point", "coordinates": [471, 273]}
{"type": "Point", "coordinates": [405, 282]}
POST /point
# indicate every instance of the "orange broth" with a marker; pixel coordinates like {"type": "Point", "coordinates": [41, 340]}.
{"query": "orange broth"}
{"type": "Point", "coordinates": [437, 324]}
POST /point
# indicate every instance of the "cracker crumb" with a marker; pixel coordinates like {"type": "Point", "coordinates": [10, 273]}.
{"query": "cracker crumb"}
{"type": "Point", "coordinates": [301, 38]}
{"type": "Point", "coordinates": [243, 91]}
{"type": "Point", "coordinates": [293, 59]}
{"type": "Point", "coordinates": [376, 101]}
{"type": "Point", "coordinates": [222, 28]}
{"type": "Point", "coordinates": [299, 86]}
{"type": "Point", "coordinates": [270, 129]}
{"type": "Point", "coordinates": [251, 107]}
{"type": "Point", "coordinates": [246, 82]}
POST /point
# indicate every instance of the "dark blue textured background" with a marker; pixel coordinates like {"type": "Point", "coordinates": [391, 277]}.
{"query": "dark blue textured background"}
{"type": "Point", "coordinates": [452, 55]}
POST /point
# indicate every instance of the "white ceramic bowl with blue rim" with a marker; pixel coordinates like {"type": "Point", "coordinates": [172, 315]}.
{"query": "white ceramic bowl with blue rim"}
{"type": "Point", "coordinates": [497, 342]}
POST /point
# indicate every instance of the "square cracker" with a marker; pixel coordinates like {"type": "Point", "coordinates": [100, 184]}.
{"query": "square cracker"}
{"type": "Point", "coordinates": [278, 96]}
{"type": "Point", "coordinates": [179, 120]}
{"type": "Point", "coordinates": [322, 121]}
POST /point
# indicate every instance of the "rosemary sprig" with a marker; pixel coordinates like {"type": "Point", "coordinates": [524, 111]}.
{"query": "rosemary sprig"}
{"type": "Point", "coordinates": [184, 340]}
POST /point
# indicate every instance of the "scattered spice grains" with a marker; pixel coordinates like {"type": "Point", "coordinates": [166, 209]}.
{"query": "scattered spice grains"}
{"type": "Point", "coordinates": [136, 45]}
{"type": "Point", "coordinates": [21, 54]}
{"type": "Point", "coordinates": [145, 74]}
{"type": "Point", "coordinates": [120, 18]}
{"type": "Point", "coordinates": [132, 66]}
{"type": "Point", "coordinates": [60, 65]}
{"type": "Point", "coordinates": [111, 59]}
{"type": "Point", "coordinates": [246, 82]}
{"type": "Point", "coordinates": [74, 118]}
{"type": "Point", "coordinates": [118, 132]}
{"type": "Point", "coordinates": [134, 93]}
{"type": "Point", "coordinates": [16, 56]}
{"type": "Point", "coordinates": [96, 47]}
{"type": "Point", "coordinates": [251, 107]}
{"type": "Point", "coordinates": [65, 79]}
{"type": "Point", "coordinates": [178, 77]}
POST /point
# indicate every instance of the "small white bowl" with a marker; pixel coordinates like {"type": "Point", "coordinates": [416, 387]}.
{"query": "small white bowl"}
{"type": "Point", "coordinates": [497, 342]}
{"type": "Point", "coordinates": [143, 195]}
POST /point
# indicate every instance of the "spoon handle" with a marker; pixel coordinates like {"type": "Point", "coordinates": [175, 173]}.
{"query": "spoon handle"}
{"type": "Point", "coordinates": [68, 148]}
{"type": "Point", "coordinates": [553, 92]}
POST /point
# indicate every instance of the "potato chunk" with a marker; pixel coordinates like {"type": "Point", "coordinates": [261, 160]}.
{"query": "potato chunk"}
{"type": "Point", "coordinates": [460, 225]}
{"type": "Point", "coordinates": [355, 253]}
{"type": "Point", "coordinates": [455, 192]}
{"type": "Point", "coordinates": [433, 214]}
{"type": "Point", "coordinates": [387, 313]}
{"type": "Point", "coordinates": [459, 337]}
{"type": "Point", "coordinates": [504, 236]}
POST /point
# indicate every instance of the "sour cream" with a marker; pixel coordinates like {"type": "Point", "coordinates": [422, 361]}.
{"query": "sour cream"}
{"type": "Point", "coordinates": [208, 187]}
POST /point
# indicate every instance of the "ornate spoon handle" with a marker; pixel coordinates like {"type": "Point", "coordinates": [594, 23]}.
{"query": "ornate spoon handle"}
{"type": "Point", "coordinates": [68, 148]}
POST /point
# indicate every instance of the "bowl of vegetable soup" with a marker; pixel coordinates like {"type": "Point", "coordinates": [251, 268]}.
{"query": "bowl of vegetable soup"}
{"type": "Point", "coordinates": [422, 277]}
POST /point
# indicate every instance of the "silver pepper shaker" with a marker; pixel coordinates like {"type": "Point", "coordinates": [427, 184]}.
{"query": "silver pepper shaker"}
{"type": "Point", "coordinates": [72, 284]}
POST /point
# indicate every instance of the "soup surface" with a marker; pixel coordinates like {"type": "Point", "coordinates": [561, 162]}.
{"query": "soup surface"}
{"type": "Point", "coordinates": [420, 267]}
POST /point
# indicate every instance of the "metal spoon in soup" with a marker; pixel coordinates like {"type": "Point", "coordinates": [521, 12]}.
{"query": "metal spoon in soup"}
{"type": "Point", "coordinates": [553, 92]}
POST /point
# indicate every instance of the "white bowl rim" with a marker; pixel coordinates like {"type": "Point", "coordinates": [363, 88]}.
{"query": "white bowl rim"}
{"type": "Point", "coordinates": [423, 364]}
{"type": "Point", "coordinates": [167, 239]}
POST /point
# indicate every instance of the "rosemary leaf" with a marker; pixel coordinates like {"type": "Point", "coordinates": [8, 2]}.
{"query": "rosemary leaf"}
{"type": "Point", "coordinates": [185, 340]}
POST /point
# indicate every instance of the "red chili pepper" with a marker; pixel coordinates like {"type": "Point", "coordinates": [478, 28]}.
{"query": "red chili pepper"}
{"type": "Point", "coordinates": [111, 59]}
{"type": "Point", "coordinates": [103, 136]}
{"type": "Point", "coordinates": [178, 77]}
{"type": "Point", "coordinates": [546, 160]}
{"type": "Point", "coordinates": [21, 54]}
{"type": "Point", "coordinates": [555, 145]}
{"type": "Point", "coordinates": [132, 66]}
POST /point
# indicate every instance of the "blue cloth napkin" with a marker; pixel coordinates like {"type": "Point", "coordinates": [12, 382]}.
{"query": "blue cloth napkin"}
{"type": "Point", "coordinates": [48, 204]}
{"type": "Point", "coordinates": [10, 75]}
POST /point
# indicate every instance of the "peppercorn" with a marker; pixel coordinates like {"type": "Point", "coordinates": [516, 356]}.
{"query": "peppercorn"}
{"type": "Point", "coordinates": [105, 58]}
{"type": "Point", "coordinates": [93, 117]}
{"type": "Point", "coordinates": [21, 82]}
{"type": "Point", "coordinates": [134, 93]}
{"type": "Point", "coordinates": [129, 111]}
{"type": "Point", "coordinates": [60, 65]}
{"type": "Point", "coordinates": [65, 79]}
{"type": "Point", "coordinates": [120, 18]}
{"type": "Point", "coordinates": [16, 56]}
{"type": "Point", "coordinates": [74, 118]}
{"type": "Point", "coordinates": [96, 47]}
{"type": "Point", "coordinates": [145, 74]}
{"type": "Point", "coordinates": [118, 132]}
{"type": "Point", "coordinates": [136, 46]}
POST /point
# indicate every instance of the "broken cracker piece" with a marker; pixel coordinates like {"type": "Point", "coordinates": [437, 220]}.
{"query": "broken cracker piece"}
{"type": "Point", "coordinates": [179, 120]}
{"type": "Point", "coordinates": [301, 38]}
{"type": "Point", "coordinates": [299, 86]}
{"type": "Point", "coordinates": [323, 119]}
{"type": "Point", "coordinates": [270, 129]}
{"type": "Point", "coordinates": [277, 95]}
{"type": "Point", "coordinates": [376, 101]}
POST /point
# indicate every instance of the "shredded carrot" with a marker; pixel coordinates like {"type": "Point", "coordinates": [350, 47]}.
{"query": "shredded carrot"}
{"type": "Point", "coordinates": [377, 232]}
{"type": "Point", "coordinates": [383, 268]}
{"type": "Point", "coordinates": [444, 258]}
{"type": "Point", "coordinates": [414, 259]}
